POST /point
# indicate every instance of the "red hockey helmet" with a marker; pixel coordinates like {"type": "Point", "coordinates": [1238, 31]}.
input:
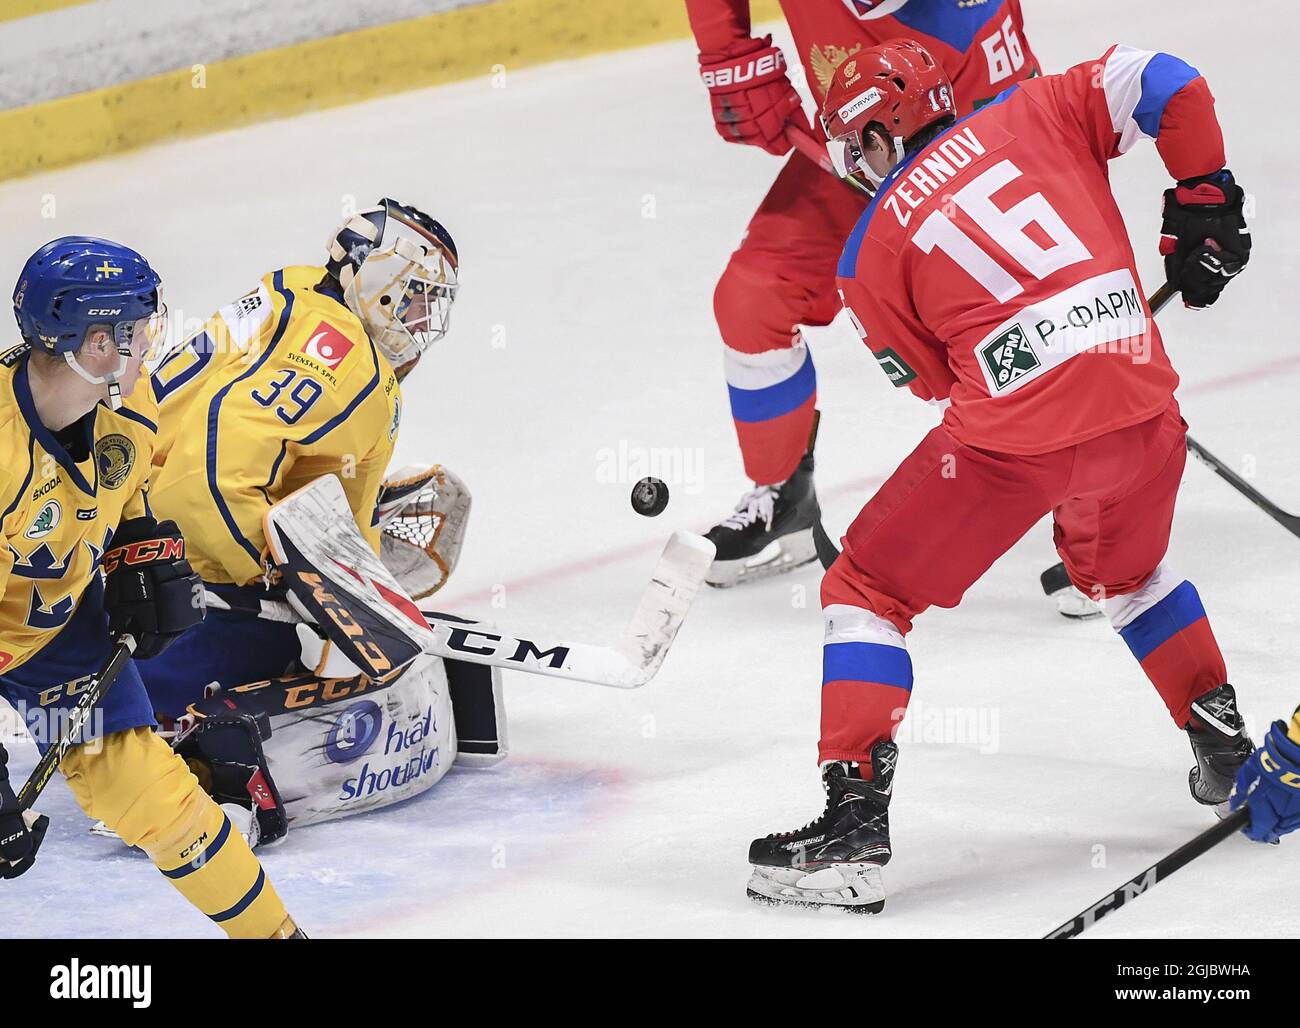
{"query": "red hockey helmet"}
{"type": "Point", "coordinates": [897, 87]}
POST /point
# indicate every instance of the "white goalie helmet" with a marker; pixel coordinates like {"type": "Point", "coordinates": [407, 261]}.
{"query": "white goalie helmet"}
{"type": "Point", "coordinates": [398, 269]}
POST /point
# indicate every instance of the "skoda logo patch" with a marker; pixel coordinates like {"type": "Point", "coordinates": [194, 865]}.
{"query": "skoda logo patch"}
{"type": "Point", "coordinates": [115, 457]}
{"type": "Point", "coordinates": [353, 732]}
{"type": "Point", "coordinates": [46, 521]}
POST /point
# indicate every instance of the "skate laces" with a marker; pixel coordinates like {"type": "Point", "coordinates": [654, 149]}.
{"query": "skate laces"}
{"type": "Point", "coordinates": [820, 818]}
{"type": "Point", "coordinates": [755, 504]}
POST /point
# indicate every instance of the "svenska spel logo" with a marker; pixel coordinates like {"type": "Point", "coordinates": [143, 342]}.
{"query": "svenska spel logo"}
{"type": "Point", "coordinates": [327, 345]}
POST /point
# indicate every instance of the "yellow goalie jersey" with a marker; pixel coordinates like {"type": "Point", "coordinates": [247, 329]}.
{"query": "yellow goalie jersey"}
{"type": "Point", "coordinates": [60, 507]}
{"type": "Point", "coordinates": [281, 386]}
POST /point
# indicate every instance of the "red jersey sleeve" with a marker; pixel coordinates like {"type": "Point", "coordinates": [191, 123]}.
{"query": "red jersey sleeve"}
{"type": "Point", "coordinates": [718, 24]}
{"type": "Point", "coordinates": [1128, 95]}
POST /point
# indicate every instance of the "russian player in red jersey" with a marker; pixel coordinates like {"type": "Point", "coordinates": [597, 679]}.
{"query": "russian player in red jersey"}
{"type": "Point", "coordinates": [992, 274]}
{"type": "Point", "coordinates": [783, 274]}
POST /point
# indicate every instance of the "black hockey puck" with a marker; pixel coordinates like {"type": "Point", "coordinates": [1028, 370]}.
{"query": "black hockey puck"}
{"type": "Point", "coordinates": [649, 497]}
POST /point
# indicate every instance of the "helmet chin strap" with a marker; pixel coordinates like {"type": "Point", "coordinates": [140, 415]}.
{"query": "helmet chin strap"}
{"type": "Point", "coordinates": [877, 180]}
{"type": "Point", "coordinates": [109, 379]}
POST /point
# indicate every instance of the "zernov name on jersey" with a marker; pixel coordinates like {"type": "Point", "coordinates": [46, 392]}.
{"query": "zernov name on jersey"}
{"type": "Point", "coordinates": [993, 268]}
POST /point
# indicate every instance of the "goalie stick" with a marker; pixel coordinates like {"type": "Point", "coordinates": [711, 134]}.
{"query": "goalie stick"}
{"type": "Point", "coordinates": [313, 537]}
{"type": "Point", "coordinates": [1154, 874]}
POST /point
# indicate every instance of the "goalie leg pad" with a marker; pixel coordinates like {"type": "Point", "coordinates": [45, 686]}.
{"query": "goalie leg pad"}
{"type": "Point", "coordinates": [224, 749]}
{"type": "Point", "coordinates": [331, 747]}
{"type": "Point", "coordinates": [479, 707]}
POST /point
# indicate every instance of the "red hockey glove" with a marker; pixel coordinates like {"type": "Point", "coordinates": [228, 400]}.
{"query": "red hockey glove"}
{"type": "Point", "coordinates": [752, 96]}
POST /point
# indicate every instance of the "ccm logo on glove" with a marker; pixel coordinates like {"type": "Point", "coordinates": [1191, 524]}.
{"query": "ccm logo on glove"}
{"type": "Point", "coordinates": [147, 551]}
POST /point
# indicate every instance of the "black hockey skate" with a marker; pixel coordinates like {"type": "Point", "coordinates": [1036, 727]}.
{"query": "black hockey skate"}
{"type": "Point", "coordinates": [835, 861]}
{"type": "Point", "coordinates": [769, 532]}
{"type": "Point", "coordinates": [1220, 748]}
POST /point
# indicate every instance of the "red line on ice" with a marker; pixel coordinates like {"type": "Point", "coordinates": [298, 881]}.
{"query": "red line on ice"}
{"type": "Point", "coordinates": [595, 561]}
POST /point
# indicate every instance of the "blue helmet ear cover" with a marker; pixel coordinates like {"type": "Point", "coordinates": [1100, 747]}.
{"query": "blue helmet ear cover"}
{"type": "Point", "coordinates": [428, 225]}
{"type": "Point", "coordinates": [75, 282]}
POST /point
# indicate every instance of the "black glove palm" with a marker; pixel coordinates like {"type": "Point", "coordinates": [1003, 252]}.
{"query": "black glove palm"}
{"type": "Point", "coordinates": [18, 842]}
{"type": "Point", "coordinates": [1204, 238]}
{"type": "Point", "coordinates": [150, 590]}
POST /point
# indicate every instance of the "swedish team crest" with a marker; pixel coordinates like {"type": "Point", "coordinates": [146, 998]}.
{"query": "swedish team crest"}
{"type": "Point", "coordinates": [46, 521]}
{"type": "Point", "coordinates": [115, 457]}
{"type": "Point", "coordinates": [1008, 357]}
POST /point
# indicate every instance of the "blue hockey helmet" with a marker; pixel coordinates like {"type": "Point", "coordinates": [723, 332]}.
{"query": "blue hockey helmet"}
{"type": "Point", "coordinates": [74, 283]}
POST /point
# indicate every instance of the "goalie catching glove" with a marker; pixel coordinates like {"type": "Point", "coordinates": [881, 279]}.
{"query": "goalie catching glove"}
{"type": "Point", "coordinates": [422, 513]}
{"type": "Point", "coordinates": [150, 590]}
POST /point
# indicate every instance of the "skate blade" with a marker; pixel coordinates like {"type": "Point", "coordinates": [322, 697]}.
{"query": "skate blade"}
{"type": "Point", "coordinates": [779, 556]}
{"type": "Point", "coordinates": [1075, 605]}
{"type": "Point", "coordinates": [853, 887]}
{"type": "Point", "coordinates": [103, 831]}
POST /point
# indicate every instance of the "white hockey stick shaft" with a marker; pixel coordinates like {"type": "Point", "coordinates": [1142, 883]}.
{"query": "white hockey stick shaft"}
{"type": "Point", "coordinates": [632, 662]}
{"type": "Point", "coordinates": [635, 659]}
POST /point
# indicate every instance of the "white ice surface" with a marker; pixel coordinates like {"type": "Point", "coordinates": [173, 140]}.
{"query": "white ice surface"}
{"type": "Point", "coordinates": [584, 326]}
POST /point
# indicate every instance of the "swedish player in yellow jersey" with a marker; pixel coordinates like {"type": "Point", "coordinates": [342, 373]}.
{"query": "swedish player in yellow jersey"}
{"type": "Point", "coordinates": [84, 559]}
{"type": "Point", "coordinates": [296, 379]}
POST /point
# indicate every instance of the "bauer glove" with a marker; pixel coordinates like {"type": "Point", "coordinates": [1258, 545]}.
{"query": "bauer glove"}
{"type": "Point", "coordinates": [752, 95]}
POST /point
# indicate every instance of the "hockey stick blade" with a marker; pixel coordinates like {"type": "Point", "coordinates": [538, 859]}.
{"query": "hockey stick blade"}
{"type": "Point", "coordinates": [1154, 874]}
{"type": "Point", "coordinates": [629, 664]}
